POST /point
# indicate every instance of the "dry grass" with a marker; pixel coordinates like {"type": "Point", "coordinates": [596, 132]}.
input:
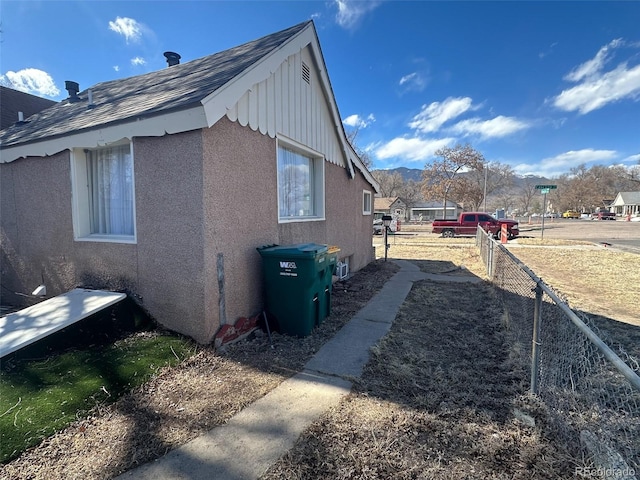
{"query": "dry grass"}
{"type": "Point", "coordinates": [187, 400]}
{"type": "Point", "coordinates": [435, 401]}
{"type": "Point", "coordinates": [598, 280]}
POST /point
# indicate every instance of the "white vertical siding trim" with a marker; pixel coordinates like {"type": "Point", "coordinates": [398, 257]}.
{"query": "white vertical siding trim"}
{"type": "Point", "coordinates": [285, 104]}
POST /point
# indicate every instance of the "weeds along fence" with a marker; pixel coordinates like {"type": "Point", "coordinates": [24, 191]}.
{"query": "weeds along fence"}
{"type": "Point", "coordinates": [589, 386]}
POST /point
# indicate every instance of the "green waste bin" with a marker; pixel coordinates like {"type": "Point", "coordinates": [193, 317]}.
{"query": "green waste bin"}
{"type": "Point", "coordinates": [297, 285]}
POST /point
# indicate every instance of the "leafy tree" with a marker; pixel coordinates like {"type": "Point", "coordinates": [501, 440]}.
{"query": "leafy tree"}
{"type": "Point", "coordinates": [441, 178]}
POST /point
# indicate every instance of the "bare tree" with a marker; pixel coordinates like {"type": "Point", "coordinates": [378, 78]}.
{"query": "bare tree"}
{"type": "Point", "coordinates": [410, 193]}
{"type": "Point", "coordinates": [390, 183]}
{"type": "Point", "coordinates": [363, 154]}
{"type": "Point", "coordinates": [441, 176]}
{"type": "Point", "coordinates": [526, 193]}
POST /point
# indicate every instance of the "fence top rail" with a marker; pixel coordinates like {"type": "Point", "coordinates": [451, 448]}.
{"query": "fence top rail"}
{"type": "Point", "coordinates": [609, 354]}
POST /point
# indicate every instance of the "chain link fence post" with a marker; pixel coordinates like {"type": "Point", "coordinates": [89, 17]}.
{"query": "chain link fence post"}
{"type": "Point", "coordinates": [535, 343]}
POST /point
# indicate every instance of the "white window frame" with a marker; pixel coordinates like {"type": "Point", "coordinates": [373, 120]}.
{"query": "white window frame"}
{"type": "Point", "coordinates": [367, 205]}
{"type": "Point", "coordinates": [318, 180]}
{"type": "Point", "coordinates": [80, 200]}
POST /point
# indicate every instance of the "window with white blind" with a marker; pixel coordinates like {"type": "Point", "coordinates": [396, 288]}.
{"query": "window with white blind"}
{"type": "Point", "coordinates": [103, 194]}
{"type": "Point", "coordinates": [300, 184]}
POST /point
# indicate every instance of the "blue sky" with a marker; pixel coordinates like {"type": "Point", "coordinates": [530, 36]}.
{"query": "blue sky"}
{"type": "Point", "coordinates": [542, 86]}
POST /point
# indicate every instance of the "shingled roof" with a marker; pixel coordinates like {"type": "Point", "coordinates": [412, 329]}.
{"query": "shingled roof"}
{"type": "Point", "coordinates": [170, 89]}
{"type": "Point", "coordinates": [13, 101]}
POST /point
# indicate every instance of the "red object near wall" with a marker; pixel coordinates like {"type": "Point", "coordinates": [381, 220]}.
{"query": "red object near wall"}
{"type": "Point", "coordinates": [504, 234]}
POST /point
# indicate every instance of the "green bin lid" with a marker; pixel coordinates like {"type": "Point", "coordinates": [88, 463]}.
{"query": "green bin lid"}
{"type": "Point", "coordinates": [299, 250]}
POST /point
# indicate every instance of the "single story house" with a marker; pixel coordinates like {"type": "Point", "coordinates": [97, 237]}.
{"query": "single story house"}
{"type": "Point", "coordinates": [389, 206]}
{"type": "Point", "coordinates": [164, 185]}
{"type": "Point", "coordinates": [626, 203]}
{"type": "Point", "coordinates": [432, 210]}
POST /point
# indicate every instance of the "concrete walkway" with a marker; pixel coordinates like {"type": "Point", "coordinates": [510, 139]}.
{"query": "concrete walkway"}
{"type": "Point", "coordinates": [254, 439]}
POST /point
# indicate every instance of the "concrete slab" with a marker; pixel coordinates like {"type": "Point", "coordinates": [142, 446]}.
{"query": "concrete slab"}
{"type": "Point", "coordinates": [33, 323]}
{"type": "Point", "coordinates": [255, 438]}
{"type": "Point", "coordinates": [347, 353]}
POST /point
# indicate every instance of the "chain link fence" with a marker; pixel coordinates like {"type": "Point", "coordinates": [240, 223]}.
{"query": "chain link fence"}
{"type": "Point", "coordinates": [589, 386]}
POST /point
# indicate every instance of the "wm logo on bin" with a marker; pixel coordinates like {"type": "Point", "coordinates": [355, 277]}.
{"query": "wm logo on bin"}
{"type": "Point", "coordinates": [288, 265]}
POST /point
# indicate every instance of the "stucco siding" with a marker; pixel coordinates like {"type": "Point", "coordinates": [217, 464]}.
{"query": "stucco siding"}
{"type": "Point", "coordinates": [170, 232]}
{"type": "Point", "coordinates": [240, 208]}
{"type": "Point", "coordinates": [37, 235]}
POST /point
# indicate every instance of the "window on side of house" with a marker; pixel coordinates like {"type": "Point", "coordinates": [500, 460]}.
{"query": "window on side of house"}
{"type": "Point", "coordinates": [300, 184]}
{"type": "Point", "coordinates": [366, 202]}
{"type": "Point", "coordinates": [103, 194]}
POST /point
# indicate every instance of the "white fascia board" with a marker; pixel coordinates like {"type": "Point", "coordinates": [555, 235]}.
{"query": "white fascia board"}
{"type": "Point", "coordinates": [331, 100]}
{"type": "Point", "coordinates": [224, 98]}
{"type": "Point", "coordinates": [154, 126]}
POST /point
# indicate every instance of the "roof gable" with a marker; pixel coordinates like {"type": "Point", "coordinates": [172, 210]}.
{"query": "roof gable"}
{"type": "Point", "coordinates": [131, 99]}
{"type": "Point", "coordinates": [627, 198]}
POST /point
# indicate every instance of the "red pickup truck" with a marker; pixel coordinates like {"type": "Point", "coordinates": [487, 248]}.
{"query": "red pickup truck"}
{"type": "Point", "coordinates": [468, 223]}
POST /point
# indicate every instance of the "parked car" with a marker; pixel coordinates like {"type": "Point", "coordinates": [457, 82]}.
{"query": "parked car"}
{"type": "Point", "coordinates": [603, 215]}
{"type": "Point", "coordinates": [378, 227]}
{"type": "Point", "coordinates": [571, 214]}
{"type": "Point", "coordinates": [468, 222]}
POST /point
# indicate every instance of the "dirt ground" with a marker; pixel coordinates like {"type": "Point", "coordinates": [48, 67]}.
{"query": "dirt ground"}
{"type": "Point", "coordinates": [438, 399]}
{"type": "Point", "coordinates": [186, 401]}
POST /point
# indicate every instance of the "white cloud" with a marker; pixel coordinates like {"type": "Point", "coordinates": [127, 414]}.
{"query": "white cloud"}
{"type": "Point", "coordinates": [350, 11]}
{"type": "Point", "coordinates": [127, 27]}
{"type": "Point", "coordinates": [411, 149]}
{"type": "Point", "coordinates": [497, 127]}
{"type": "Point", "coordinates": [434, 115]}
{"type": "Point", "coordinates": [623, 82]}
{"type": "Point", "coordinates": [357, 121]}
{"type": "Point", "coordinates": [562, 163]}
{"type": "Point", "coordinates": [593, 66]}
{"type": "Point", "coordinates": [136, 61]}
{"type": "Point", "coordinates": [414, 81]}
{"type": "Point", "coordinates": [632, 158]}
{"type": "Point", "coordinates": [31, 80]}
{"type": "Point", "coordinates": [598, 87]}
{"type": "Point", "coordinates": [116, 68]}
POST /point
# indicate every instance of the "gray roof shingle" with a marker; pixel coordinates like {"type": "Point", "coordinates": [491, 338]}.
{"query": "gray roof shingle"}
{"type": "Point", "coordinates": [173, 88]}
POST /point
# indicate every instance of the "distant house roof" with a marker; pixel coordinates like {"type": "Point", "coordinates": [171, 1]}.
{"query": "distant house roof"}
{"type": "Point", "coordinates": [433, 205]}
{"type": "Point", "coordinates": [13, 101]}
{"type": "Point", "coordinates": [384, 203]}
{"type": "Point", "coordinates": [627, 198]}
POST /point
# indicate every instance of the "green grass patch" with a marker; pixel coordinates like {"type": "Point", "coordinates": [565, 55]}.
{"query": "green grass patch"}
{"type": "Point", "coordinates": [46, 387]}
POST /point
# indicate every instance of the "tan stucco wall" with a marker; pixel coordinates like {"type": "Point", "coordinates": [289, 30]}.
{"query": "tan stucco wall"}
{"type": "Point", "coordinates": [241, 211]}
{"type": "Point", "coordinates": [203, 198]}
{"type": "Point", "coordinates": [37, 235]}
{"type": "Point", "coordinates": [169, 219]}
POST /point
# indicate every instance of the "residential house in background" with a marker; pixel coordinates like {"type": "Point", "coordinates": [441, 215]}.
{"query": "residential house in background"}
{"type": "Point", "coordinates": [16, 105]}
{"type": "Point", "coordinates": [390, 206]}
{"type": "Point", "coordinates": [626, 203]}
{"type": "Point", "coordinates": [431, 210]}
{"type": "Point", "coordinates": [163, 185]}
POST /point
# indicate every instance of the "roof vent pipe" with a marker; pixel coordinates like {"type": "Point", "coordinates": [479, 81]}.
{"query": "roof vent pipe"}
{"type": "Point", "coordinates": [20, 117]}
{"type": "Point", "coordinates": [172, 58]}
{"type": "Point", "coordinates": [73, 88]}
